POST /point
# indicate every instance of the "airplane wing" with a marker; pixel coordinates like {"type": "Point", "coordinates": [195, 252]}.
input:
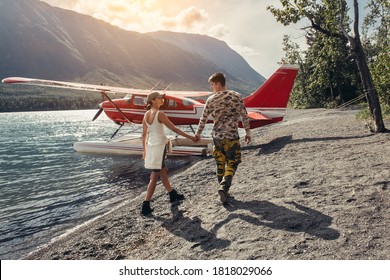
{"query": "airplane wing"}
{"type": "Point", "coordinates": [97, 88]}
{"type": "Point", "coordinates": [186, 93]}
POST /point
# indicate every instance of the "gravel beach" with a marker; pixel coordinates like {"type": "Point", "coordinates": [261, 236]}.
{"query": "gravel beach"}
{"type": "Point", "coordinates": [315, 186]}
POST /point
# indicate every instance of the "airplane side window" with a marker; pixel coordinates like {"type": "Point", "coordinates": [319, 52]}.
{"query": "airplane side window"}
{"type": "Point", "coordinates": [139, 101]}
{"type": "Point", "coordinates": [171, 103]}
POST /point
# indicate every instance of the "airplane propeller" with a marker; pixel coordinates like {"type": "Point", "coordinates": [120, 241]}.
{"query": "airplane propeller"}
{"type": "Point", "coordinates": [98, 112]}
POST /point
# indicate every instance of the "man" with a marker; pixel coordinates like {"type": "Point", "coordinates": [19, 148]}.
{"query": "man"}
{"type": "Point", "coordinates": [227, 109]}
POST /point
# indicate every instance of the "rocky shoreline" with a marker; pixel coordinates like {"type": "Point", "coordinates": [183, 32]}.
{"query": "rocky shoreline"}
{"type": "Point", "coordinates": [315, 186]}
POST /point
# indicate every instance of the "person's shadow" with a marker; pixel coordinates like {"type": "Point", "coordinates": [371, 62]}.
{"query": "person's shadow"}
{"type": "Point", "coordinates": [278, 217]}
{"type": "Point", "coordinates": [192, 231]}
{"type": "Point", "coordinates": [279, 143]}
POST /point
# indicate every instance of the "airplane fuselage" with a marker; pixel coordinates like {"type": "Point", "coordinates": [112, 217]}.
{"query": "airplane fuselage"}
{"type": "Point", "coordinates": [181, 111]}
{"type": "Point", "coordinates": [265, 106]}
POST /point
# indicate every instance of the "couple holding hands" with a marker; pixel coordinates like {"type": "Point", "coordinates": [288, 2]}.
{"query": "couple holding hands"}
{"type": "Point", "coordinates": [226, 108]}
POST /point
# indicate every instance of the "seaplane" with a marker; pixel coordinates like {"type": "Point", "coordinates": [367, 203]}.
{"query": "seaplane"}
{"type": "Point", "coordinates": [265, 106]}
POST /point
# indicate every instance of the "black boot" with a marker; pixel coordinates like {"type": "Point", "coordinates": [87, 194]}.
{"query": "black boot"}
{"type": "Point", "coordinates": [175, 196]}
{"type": "Point", "coordinates": [145, 210]}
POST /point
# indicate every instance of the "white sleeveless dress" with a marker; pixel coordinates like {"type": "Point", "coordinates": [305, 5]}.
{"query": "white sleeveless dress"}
{"type": "Point", "coordinates": [155, 144]}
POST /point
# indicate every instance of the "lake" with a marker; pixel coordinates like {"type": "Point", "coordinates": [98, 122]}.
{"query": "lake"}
{"type": "Point", "coordinates": [46, 188]}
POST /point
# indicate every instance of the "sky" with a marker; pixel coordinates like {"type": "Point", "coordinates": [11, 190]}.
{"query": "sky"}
{"type": "Point", "coordinates": [245, 25]}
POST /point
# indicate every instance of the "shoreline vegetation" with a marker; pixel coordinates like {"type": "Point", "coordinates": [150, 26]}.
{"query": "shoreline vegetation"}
{"type": "Point", "coordinates": [22, 98]}
{"type": "Point", "coordinates": [315, 186]}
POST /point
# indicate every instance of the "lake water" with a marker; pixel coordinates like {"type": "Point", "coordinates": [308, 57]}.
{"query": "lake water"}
{"type": "Point", "coordinates": [46, 188]}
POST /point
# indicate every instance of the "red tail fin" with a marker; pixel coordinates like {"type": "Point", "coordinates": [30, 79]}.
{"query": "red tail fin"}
{"type": "Point", "coordinates": [275, 92]}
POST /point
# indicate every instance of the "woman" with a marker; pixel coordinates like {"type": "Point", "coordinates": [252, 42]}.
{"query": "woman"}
{"type": "Point", "coordinates": [155, 144]}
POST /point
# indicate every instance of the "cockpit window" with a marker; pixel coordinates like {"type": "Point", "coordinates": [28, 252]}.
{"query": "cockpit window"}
{"type": "Point", "coordinates": [128, 97]}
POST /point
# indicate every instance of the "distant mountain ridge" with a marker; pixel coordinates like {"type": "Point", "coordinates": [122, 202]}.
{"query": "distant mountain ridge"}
{"type": "Point", "coordinates": [211, 49]}
{"type": "Point", "coordinates": [41, 41]}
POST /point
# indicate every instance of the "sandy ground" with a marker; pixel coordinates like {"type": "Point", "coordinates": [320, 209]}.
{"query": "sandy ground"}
{"type": "Point", "coordinates": [316, 186]}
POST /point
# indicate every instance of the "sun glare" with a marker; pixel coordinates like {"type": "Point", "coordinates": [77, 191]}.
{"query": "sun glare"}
{"type": "Point", "coordinates": [143, 15]}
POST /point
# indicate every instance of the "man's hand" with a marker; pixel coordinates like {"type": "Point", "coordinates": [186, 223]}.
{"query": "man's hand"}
{"type": "Point", "coordinates": [248, 137]}
{"type": "Point", "coordinates": [197, 137]}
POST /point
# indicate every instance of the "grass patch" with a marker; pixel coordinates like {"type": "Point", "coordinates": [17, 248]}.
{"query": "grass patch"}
{"type": "Point", "coordinates": [365, 113]}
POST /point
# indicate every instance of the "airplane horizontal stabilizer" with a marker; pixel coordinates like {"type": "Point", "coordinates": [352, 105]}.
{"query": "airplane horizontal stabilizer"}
{"type": "Point", "coordinates": [257, 116]}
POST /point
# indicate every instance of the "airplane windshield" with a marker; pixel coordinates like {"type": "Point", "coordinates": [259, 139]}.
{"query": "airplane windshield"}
{"type": "Point", "coordinates": [188, 102]}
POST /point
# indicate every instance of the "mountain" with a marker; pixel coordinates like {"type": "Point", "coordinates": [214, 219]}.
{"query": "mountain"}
{"type": "Point", "coordinates": [214, 50]}
{"type": "Point", "coordinates": [41, 41]}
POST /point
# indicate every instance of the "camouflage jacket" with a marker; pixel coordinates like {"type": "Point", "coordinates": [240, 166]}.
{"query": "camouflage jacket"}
{"type": "Point", "coordinates": [226, 109]}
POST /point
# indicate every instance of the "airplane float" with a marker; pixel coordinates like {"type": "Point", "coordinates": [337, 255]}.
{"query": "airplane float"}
{"type": "Point", "coordinates": [265, 106]}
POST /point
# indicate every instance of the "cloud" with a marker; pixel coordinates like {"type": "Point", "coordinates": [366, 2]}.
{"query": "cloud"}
{"type": "Point", "coordinates": [247, 51]}
{"type": "Point", "coordinates": [117, 8]}
{"type": "Point", "coordinates": [190, 19]}
{"type": "Point", "coordinates": [192, 16]}
{"type": "Point", "coordinates": [218, 31]}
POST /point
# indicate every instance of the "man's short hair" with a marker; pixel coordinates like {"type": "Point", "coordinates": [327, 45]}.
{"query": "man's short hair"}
{"type": "Point", "coordinates": [218, 78]}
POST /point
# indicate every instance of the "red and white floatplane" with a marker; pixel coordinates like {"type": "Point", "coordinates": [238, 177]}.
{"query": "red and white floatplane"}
{"type": "Point", "coordinates": [265, 106]}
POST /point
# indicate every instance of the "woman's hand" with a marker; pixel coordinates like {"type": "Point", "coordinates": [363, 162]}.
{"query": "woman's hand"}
{"type": "Point", "coordinates": [194, 139]}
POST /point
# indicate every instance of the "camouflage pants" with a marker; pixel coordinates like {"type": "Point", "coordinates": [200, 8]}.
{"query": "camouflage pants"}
{"type": "Point", "coordinates": [227, 154]}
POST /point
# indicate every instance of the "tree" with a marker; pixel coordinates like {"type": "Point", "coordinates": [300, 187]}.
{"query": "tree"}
{"type": "Point", "coordinates": [364, 71]}
{"type": "Point", "coordinates": [315, 12]}
{"type": "Point", "coordinates": [326, 77]}
{"type": "Point", "coordinates": [298, 98]}
{"type": "Point", "coordinates": [376, 34]}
